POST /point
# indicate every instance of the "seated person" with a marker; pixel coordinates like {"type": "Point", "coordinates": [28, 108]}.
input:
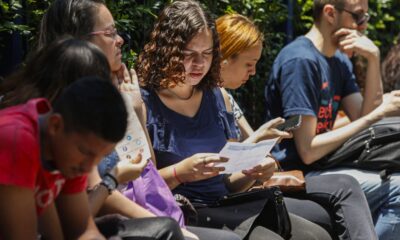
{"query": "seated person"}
{"type": "Point", "coordinates": [312, 76]}
{"type": "Point", "coordinates": [98, 28]}
{"type": "Point", "coordinates": [46, 153]}
{"type": "Point", "coordinates": [75, 59]}
{"type": "Point", "coordinates": [241, 46]}
{"type": "Point", "coordinates": [188, 122]}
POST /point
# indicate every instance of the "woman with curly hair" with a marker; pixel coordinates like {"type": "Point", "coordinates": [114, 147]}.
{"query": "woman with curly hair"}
{"type": "Point", "coordinates": [189, 124]}
{"type": "Point", "coordinates": [92, 21]}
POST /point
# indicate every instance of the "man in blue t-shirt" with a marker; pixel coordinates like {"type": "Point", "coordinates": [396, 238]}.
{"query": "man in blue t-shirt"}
{"type": "Point", "coordinates": [312, 77]}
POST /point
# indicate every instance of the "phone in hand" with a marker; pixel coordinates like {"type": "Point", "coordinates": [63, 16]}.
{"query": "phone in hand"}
{"type": "Point", "coordinates": [290, 124]}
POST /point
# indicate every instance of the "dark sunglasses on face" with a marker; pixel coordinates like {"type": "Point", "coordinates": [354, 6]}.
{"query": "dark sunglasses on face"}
{"type": "Point", "coordinates": [359, 18]}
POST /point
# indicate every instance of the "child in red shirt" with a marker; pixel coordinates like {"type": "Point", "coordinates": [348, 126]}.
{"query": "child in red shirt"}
{"type": "Point", "coordinates": [45, 153]}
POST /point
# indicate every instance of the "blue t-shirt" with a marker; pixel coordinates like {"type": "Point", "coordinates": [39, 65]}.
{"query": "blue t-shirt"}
{"type": "Point", "coordinates": [305, 82]}
{"type": "Point", "coordinates": [176, 137]}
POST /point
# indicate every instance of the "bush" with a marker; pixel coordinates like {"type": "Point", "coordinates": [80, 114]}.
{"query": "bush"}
{"type": "Point", "coordinates": [136, 18]}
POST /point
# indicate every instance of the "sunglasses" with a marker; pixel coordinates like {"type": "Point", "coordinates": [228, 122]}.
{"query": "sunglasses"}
{"type": "Point", "coordinates": [359, 18]}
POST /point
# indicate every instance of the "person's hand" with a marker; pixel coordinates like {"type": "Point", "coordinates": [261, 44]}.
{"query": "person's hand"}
{"type": "Point", "coordinates": [268, 130]}
{"type": "Point", "coordinates": [351, 41]}
{"type": "Point", "coordinates": [390, 105]}
{"type": "Point", "coordinates": [188, 234]}
{"type": "Point", "coordinates": [199, 166]}
{"type": "Point", "coordinates": [261, 172]}
{"type": "Point", "coordinates": [128, 84]}
{"type": "Point", "coordinates": [126, 171]}
{"type": "Point", "coordinates": [122, 79]}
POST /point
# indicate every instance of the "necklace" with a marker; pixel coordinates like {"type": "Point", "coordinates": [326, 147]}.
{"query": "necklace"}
{"type": "Point", "coordinates": [182, 98]}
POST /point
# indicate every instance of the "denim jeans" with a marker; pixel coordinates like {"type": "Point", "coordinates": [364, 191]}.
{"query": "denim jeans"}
{"type": "Point", "coordinates": [107, 163]}
{"type": "Point", "coordinates": [383, 197]}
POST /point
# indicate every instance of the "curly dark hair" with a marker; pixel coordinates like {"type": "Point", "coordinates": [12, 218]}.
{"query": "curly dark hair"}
{"type": "Point", "coordinates": [160, 65]}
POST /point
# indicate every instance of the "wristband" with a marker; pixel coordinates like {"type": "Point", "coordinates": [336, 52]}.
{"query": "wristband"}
{"type": "Point", "coordinates": [176, 177]}
{"type": "Point", "coordinates": [112, 177]}
{"type": "Point", "coordinates": [109, 182]}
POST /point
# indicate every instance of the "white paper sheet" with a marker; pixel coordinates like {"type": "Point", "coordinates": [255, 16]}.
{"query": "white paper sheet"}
{"type": "Point", "coordinates": [134, 141]}
{"type": "Point", "coordinates": [245, 156]}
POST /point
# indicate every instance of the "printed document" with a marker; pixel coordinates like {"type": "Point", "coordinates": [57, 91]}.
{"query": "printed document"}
{"type": "Point", "coordinates": [245, 156]}
{"type": "Point", "coordinates": [134, 141]}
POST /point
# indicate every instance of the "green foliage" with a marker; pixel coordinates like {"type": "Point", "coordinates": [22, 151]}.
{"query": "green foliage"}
{"type": "Point", "coordinates": [135, 18]}
{"type": "Point", "coordinates": [383, 26]}
{"type": "Point", "coordinates": [270, 16]}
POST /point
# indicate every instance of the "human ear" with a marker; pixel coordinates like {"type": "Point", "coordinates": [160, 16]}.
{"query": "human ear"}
{"type": "Point", "coordinates": [224, 63]}
{"type": "Point", "coordinates": [329, 13]}
{"type": "Point", "coordinates": [55, 124]}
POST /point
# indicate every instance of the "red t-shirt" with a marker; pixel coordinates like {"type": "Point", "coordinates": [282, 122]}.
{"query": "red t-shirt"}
{"type": "Point", "coordinates": [20, 163]}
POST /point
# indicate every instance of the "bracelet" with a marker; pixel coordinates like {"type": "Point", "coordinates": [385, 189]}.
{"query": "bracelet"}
{"type": "Point", "coordinates": [108, 187]}
{"type": "Point", "coordinates": [176, 177]}
{"type": "Point", "coordinates": [112, 177]}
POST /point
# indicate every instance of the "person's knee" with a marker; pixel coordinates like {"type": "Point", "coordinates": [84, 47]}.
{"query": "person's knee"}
{"type": "Point", "coordinates": [169, 225]}
{"type": "Point", "coordinates": [345, 186]}
{"type": "Point", "coordinates": [304, 229]}
{"type": "Point", "coordinates": [345, 181]}
{"type": "Point", "coordinates": [160, 228]}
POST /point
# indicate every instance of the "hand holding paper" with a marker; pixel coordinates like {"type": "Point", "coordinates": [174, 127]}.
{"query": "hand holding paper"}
{"type": "Point", "coordinates": [245, 156]}
{"type": "Point", "coordinates": [134, 141]}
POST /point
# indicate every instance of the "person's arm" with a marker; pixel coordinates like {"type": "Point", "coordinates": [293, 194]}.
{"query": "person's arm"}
{"type": "Point", "coordinates": [97, 194]}
{"type": "Point", "coordinates": [130, 87]}
{"type": "Point", "coordinates": [245, 129]}
{"type": "Point", "coordinates": [350, 42]}
{"type": "Point", "coordinates": [17, 213]}
{"type": "Point", "coordinates": [101, 202]}
{"type": "Point", "coordinates": [195, 168]}
{"type": "Point", "coordinates": [242, 181]}
{"type": "Point", "coordinates": [312, 147]}
{"type": "Point", "coordinates": [363, 112]}
{"type": "Point", "coordinates": [268, 131]}
{"type": "Point", "coordinates": [248, 135]}
{"type": "Point", "coordinates": [49, 224]}
{"type": "Point", "coordinates": [75, 217]}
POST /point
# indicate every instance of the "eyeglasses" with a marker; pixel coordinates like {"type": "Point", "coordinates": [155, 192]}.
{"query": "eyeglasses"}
{"type": "Point", "coordinates": [359, 18]}
{"type": "Point", "coordinates": [111, 33]}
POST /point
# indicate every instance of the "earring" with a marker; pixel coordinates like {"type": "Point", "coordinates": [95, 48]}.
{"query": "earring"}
{"type": "Point", "coordinates": [225, 61]}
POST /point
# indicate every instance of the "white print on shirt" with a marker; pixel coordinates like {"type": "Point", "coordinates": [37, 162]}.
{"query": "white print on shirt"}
{"type": "Point", "coordinates": [45, 197]}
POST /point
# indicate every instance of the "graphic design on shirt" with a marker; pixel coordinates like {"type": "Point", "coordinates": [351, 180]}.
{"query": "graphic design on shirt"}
{"type": "Point", "coordinates": [45, 197]}
{"type": "Point", "coordinates": [327, 114]}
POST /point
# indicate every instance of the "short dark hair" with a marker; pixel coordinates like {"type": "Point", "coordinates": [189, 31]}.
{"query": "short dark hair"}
{"type": "Point", "coordinates": [320, 4]}
{"type": "Point", "coordinates": [160, 65]}
{"type": "Point", "coordinates": [52, 68]}
{"type": "Point", "coordinates": [93, 105]}
{"type": "Point", "coordinates": [73, 17]}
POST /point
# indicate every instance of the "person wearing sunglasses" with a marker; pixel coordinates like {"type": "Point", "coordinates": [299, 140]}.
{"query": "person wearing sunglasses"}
{"type": "Point", "coordinates": [312, 77]}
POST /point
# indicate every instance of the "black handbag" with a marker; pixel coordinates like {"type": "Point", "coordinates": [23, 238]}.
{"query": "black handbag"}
{"type": "Point", "coordinates": [274, 215]}
{"type": "Point", "coordinates": [375, 148]}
